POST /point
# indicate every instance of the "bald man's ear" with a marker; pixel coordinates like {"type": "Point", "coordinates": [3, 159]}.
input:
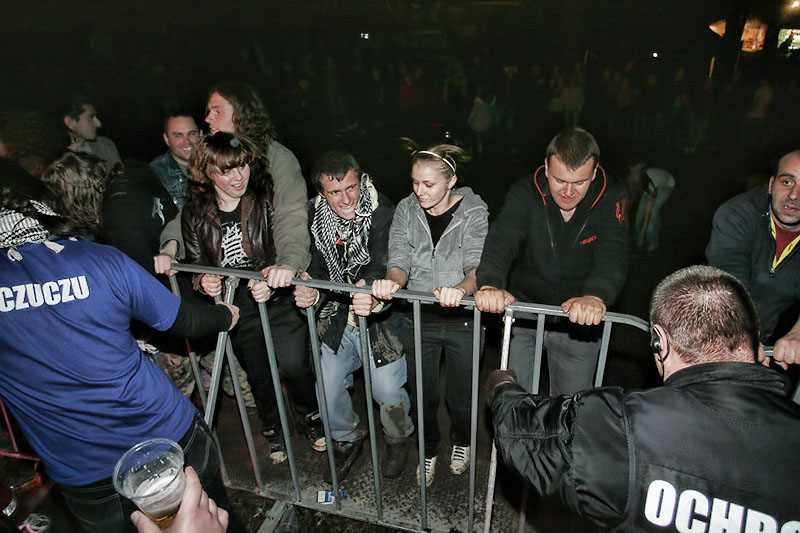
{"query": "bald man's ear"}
{"type": "Point", "coordinates": [166, 139]}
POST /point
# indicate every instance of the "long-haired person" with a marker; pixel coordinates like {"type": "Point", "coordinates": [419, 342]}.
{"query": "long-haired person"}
{"type": "Point", "coordinates": [435, 245]}
{"type": "Point", "coordinates": [234, 107]}
{"type": "Point", "coordinates": [228, 222]}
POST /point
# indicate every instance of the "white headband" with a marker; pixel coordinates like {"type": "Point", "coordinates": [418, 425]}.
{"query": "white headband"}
{"type": "Point", "coordinates": [434, 154]}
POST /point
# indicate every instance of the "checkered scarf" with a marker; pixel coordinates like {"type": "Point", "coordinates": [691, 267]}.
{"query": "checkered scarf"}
{"type": "Point", "coordinates": [328, 229]}
{"type": "Point", "coordinates": [17, 229]}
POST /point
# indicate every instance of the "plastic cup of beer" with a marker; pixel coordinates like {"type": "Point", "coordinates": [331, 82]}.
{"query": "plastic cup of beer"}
{"type": "Point", "coordinates": [151, 475]}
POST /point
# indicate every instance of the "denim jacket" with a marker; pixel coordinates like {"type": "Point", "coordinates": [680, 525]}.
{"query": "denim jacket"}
{"type": "Point", "coordinates": [171, 176]}
{"type": "Point", "coordinates": [457, 252]}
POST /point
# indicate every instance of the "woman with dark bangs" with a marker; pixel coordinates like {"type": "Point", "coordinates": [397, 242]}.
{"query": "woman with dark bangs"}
{"type": "Point", "coordinates": [228, 222]}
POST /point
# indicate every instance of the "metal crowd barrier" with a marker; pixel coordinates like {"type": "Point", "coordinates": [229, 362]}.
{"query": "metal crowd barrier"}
{"type": "Point", "coordinates": [223, 348]}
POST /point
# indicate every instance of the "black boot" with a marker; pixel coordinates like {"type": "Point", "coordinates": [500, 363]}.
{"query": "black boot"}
{"type": "Point", "coordinates": [395, 459]}
{"type": "Point", "coordinates": [344, 455]}
{"type": "Point", "coordinates": [277, 447]}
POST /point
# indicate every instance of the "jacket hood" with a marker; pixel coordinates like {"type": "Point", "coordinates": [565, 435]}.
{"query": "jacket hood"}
{"type": "Point", "coordinates": [593, 195]}
{"type": "Point", "coordinates": [468, 203]}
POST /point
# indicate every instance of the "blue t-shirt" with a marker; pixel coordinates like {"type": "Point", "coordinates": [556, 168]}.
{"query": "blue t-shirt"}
{"type": "Point", "coordinates": [77, 383]}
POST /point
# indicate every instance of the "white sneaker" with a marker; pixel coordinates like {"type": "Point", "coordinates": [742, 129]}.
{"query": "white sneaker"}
{"type": "Point", "coordinates": [430, 471]}
{"type": "Point", "coordinates": [459, 459]}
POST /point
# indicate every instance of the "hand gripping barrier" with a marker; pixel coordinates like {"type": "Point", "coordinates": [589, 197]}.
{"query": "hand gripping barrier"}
{"type": "Point", "coordinates": [302, 495]}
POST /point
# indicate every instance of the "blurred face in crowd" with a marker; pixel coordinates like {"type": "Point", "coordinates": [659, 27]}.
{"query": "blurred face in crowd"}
{"type": "Point", "coordinates": [231, 185]}
{"type": "Point", "coordinates": [219, 115]}
{"type": "Point", "coordinates": [568, 186]}
{"type": "Point", "coordinates": [785, 190]}
{"type": "Point", "coordinates": [342, 195]}
{"type": "Point", "coordinates": [431, 187]}
{"type": "Point", "coordinates": [181, 136]}
{"type": "Point", "coordinates": [84, 128]}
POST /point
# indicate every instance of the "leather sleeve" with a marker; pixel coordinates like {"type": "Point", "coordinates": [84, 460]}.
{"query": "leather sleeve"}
{"type": "Point", "coordinates": [574, 449]}
{"type": "Point", "coordinates": [191, 243]}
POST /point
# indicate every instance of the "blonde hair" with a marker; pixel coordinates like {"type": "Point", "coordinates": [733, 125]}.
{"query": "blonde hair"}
{"type": "Point", "coordinates": [443, 157]}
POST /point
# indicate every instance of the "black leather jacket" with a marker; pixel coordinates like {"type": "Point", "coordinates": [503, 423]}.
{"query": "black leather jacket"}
{"type": "Point", "coordinates": [202, 233]}
{"type": "Point", "coordinates": [715, 436]}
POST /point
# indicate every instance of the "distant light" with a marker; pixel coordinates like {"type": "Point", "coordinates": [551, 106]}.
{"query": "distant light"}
{"type": "Point", "coordinates": [365, 36]}
{"type": "Point", "coordinates": [655, 54]}
{"type": "Point", "coordinates": [796, 4]}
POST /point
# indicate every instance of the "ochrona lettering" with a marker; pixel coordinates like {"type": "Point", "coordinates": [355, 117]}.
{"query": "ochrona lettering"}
{"type": "Point", "coordinates": [51, 293]}
{"type": "Point", "coordinates": [689, 511]}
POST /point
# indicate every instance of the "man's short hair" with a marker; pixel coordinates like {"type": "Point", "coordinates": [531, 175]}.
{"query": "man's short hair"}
{"type": "Point", "coordinates": [708, 315]}
{"type": "Point", "coordinates": [784, 156]}
{"type": "Point", "coordinates": [165, 122]}
{"type": "Point", "coordinates": [333, 163]}
{"type": "Point", "coordinates": [574, 147]}
{"type": "Point", "coordinates": [74, 103]}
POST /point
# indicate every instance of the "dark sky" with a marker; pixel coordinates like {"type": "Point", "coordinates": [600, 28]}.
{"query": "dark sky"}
{"type": "Point", "coordinates": [129, 54]}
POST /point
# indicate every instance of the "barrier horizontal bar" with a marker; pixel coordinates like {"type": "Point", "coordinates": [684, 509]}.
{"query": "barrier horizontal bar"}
{"type": "Point", "coordinates": [519, 308]}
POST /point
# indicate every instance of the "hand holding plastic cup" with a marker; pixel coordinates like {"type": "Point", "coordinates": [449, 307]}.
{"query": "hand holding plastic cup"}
{"type": "Point", "coordinates": [151, 475]}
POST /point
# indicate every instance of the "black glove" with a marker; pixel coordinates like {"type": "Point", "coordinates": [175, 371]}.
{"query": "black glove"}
{"type": "Point", "coordinates": [496, 378]}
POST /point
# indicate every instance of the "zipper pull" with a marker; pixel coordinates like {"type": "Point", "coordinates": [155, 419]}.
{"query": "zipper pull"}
{"type": "Point", "coordinates": [772, 272]}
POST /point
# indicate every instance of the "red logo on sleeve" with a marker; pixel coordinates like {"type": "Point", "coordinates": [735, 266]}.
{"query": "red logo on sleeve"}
{"type": "Point", "coordinates": [622, 208]}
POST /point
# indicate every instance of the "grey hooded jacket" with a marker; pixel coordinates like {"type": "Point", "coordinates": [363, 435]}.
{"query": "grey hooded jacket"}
{"type": "Point", "coordinates": [457, 252]}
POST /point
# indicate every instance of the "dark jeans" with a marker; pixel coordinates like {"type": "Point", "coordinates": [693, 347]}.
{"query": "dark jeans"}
{"type": "Point", "coordinates": [449, 334]}
{"type": "Point", "coordinates": [290, 338]}
{"type": "Point", "coordinates": [99, 508]}
{"type": "Point", "coordinates": [572, 352]}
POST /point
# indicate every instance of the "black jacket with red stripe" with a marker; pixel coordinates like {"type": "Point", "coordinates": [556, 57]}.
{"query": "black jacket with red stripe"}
{"type": "Point", "coordinates": [538, 257]}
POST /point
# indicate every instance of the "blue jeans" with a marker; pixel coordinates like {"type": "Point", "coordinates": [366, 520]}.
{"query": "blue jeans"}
{"type": "Point", "coordinates": [387, 390]}
{"type": "Point", "coordinates": [654, 224]}
{"type": "Point", "coordinates": [99, 508]}
{"type": "Point", "coordinates": [572, 352]}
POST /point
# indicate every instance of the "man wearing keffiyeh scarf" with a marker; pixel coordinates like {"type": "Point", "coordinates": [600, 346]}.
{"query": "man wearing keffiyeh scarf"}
{"type": "Point", "coordinates": [349, 225]}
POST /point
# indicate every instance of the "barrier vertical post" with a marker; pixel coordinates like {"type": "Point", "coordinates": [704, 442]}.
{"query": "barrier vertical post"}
{"type": "Point", "coordinates": [198, 377]}
{"type": "Point", "coordinates": [276, 385]}
{"type": "Point", "coordinates": [323, 403]}
{"type": "Point", "coordinates": [366, 362]}
{"type": "Point", "coordinates": [473, 427]}
{"type": "Point", "coordinates": [508, 319]}
{"type": "Point", "coordinates": [423, 503]}
{"type": "Point", "coordinates": [248, 431]}
{"type": "Point", "coordinates": [216, 373]}
{"type": "Point", "coordinates": [601, 363]}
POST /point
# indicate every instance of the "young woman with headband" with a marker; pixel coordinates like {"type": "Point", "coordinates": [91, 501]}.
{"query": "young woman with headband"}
{"type": "Point", "coordinates": [435, 245]}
